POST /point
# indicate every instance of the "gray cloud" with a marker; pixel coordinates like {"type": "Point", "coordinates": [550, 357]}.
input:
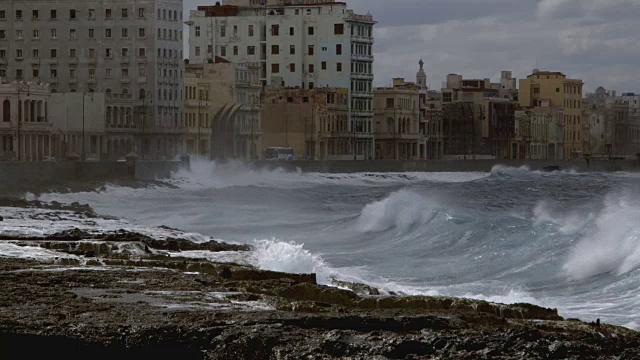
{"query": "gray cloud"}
{"type": "Point", "coordinates": [595, 40]}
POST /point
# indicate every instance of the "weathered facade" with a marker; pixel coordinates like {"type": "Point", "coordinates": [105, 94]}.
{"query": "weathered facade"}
{"type": "Point", "coordinates": [314, 122]}
{"type": "Point", "coordinates": [311, 44]}
{"type": "Point", "coordinates": [397, 122]}
{"type": "Point", "coordinates": [561, 92]}
{"type": "Point", "coordinates": [222, 110]}
{"type": "Point", "coordinates": [130, 48]}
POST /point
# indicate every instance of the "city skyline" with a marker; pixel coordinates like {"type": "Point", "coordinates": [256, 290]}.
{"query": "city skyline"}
{"type": "Point", "coordinates": [587, 39]}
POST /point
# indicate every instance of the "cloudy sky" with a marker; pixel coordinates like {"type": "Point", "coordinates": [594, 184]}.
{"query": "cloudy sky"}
{"type": "Point", "coordinates": [594, 40]}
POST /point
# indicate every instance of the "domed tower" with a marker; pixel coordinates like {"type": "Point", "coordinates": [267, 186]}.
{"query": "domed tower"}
{"type": "Point", "coordinates": [421, 77]}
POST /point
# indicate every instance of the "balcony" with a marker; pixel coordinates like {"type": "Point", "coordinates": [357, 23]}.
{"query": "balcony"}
{"type": "Point", "coordinates": [362, 76]}
{"type": "Point", "coordinates": [53, 80]}
{"type": "Point", "coordinates": [73, 60]}
{"type": "Point", "coordinates": [362, 113]}
{"type": "Point", "coordinates": [362, 94]}
{"type": "Point", "coordinates": [33, 61]}
{"type": "Point", "coordinates": [92, 60]}
{"type": "Point", "coordinates": [92, 80]}
{"type": "Point", "coordinates": [124, 80]}
{"type": "Point", "coordinates": [124, 60]}
{"type": "Point", "coordinates": [142, 59]}
{"type": "Point", "coordinates": [3, 61]}
{"type": "Point", "coordinates": [53, 60]}
{"type": "Point", "coordinates": [362, 39]}
{"type": "Point", "coordinates": [361, 57]}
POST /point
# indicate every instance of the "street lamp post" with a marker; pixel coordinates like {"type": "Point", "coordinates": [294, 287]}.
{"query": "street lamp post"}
{"type": "Point", "coordinates": [395, 125]}
{"type": "Point", "coordinates": [21, 87]}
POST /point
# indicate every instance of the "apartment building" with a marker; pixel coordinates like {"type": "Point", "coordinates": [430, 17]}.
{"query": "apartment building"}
{"type": "Point", "coordinates": [397, 122]}
{"type": "Point", "coordinates": [314, 122]}
{"type": "Point", "coordinates": [222, 110]}
{"type": "Point", "coordinates": [129, 50]}
{"type": "Point", "coordinates": [304, 44]}
{"type": "Point", "coordinates": [561, 92]}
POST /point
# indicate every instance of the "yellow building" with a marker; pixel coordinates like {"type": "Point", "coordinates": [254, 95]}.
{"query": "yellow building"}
{"type": "Point", "coordinates": [561, 92]}
{"type": "Point", "coordinates": [313, 122]}
{"type": "Point", "coordinates": [397, 122]}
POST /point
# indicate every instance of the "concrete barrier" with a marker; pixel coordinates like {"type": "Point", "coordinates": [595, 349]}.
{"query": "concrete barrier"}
{"type": "Point", "coordinates": [447, 165]}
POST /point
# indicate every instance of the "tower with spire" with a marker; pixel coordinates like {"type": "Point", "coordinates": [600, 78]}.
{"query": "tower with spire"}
{"type": "Point", "coordinates": [421, 77]}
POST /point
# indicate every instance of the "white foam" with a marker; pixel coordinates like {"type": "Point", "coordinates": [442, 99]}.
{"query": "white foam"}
{"type": "Point", "coordinates": [9, 250]}
{"type": "Point", "coordinates": [612, 245]}
{"type": "Point", "coordinates": [400, 210]}
{"type": "Point", "coordinates": [568, 223]}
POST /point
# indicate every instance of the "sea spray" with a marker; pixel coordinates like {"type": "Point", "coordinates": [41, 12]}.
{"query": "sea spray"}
{"type": "Point", "coordinates": [612, 244]}
{"type": "Point", "coordinates": [400, 210]}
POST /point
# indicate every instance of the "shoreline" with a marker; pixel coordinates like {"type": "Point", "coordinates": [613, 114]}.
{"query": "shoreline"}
{"type": "Point", "coordinates": [128, 294]}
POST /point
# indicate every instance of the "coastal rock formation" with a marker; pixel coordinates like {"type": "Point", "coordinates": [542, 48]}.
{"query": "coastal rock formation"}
{"type": "Point", "coordinates": [126, 295]}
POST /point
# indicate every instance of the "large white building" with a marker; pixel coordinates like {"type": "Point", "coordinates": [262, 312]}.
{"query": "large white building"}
{"type": "Point", "coordinates": [305, 44]}
{"type": "Point", "coordinates": [131, 50]}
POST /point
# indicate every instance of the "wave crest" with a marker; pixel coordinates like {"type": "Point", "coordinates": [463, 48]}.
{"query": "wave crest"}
{"type": "Point", "coordinates": [612, 244]}
{"type": "Point", "coordinates": [401, 210]}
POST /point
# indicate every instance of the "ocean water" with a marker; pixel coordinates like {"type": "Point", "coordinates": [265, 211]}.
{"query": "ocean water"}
{"type": "Point", "coordinates": [562, 240]}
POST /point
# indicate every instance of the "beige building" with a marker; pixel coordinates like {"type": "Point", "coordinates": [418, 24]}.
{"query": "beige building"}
{"type": "Point", "coordinates": [25, 127]}
{"type": "Point", "coordinates": [561, 92]}
{"type": "Point", "coordinates": [222, 110]}
{"type": "Point", "coordinates": [314, 122]}
{"type": "Point", "coordinates": [397, 122]}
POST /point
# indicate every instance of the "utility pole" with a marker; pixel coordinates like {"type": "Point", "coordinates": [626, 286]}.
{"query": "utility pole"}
{"type": "Point", "coordinates": [21, 87]}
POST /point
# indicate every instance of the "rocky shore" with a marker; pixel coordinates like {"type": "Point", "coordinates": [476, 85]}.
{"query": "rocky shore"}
{"type": "Point", "coordinates": [81, 293]}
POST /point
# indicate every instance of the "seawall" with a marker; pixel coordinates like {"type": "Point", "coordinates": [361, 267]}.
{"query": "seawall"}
{"type": "Point", "coordinates": [447, 165]}
{"type": "Point", "coordinates": [15, 176]}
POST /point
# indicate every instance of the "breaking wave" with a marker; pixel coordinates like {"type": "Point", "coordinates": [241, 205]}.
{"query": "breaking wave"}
{"type": "Point", "coordinates": [400, 211]}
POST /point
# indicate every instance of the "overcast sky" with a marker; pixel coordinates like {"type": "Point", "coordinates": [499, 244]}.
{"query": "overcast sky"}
{"type": "Point", "coordinates": [597, 41]}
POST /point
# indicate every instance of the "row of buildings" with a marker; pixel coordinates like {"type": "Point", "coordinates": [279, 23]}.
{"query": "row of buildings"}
{"type": "Point", "coordinates": [102, 79]}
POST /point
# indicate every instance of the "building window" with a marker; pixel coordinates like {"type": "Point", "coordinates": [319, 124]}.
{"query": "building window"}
{"type": "Point", "coordinates": [311, 85]}
{"type": "Point", "coordinates": [275, 68]}
{"type": "Point", "coordinates": [223, 51]}
{"type": "Point", "coordinates": [142, 52]}
{"type": "Point", "coordinates": [292, 49]}
{"type": "Point", "coordinates": [72, 14]}
{"type": "Point", "coordinates": [107, 13]}
{"type": "Point", "coordinates": [18, 14]}
{"type": "Point", "coordinates": [19, 34]}
{"type": "Point", "coordinates": [19, 54]}
{"type": "Point", "coordinates": [72, 53]}
{"type": "Point", "coordinates": [107, 33]}
{"type": "Point", "coordinates": [275, 49]}
{"type": "Point", "coordinates": [125, 52]}
{"type": "Point", "coordinates": [72, 34]}
{"type": "Point", "coordinates": [311, 68]}
{"type": "Point", "coordinates": [338, 29]}
{"type": "Point", "coordinates": [92, 33]}
{"type": "Point", "coordinates": [92, 53]}
{"type": "Point", "coordinates": [36, 34]}
{"type": "Point", "coordinates": [54, 34]}
{"type": "Point", "coordinates": [235, 50]}
{"type": "Point", "coordinates": [125, 32]}
{"type": "Point", "coordinates": [125, 73]}
{"type": "Point", "coordinates": [108, 53]}
{"type": "Point", "coordinates": [250, 30]}
{"type": "Point", "coordinates": [34, 15]}
{"type": "Point", "coordinates": [92, 73]}
{"type": "Point", "coordinates": [54, 53]}
{"type": "Point", "coordinates": [275, 30]}
{"type": "Point", "coordinates": [311, 49]}
{"type": "Point", "coordinates": [53, 73]}
{"type": "Point", "coordinates": [251, 50]}
{"type": "Point", "coordinates": [292, 31]}
{"type": "Point", "coordinates": [141, 32]}
{"type": "Point", "coordinates": [310, 31]}
{"type": "Point", "coordinates": [197, 31]}
{"type": "Point", "coordinates": [125, 13]}
{"type": "Point", "coordinates": [339, 67]}
{"type": "Point", "coordinates": [339, 49]}
{"type": "Point", "coordinates": [92, 14]}
{"type": "Point", "coordinates": [3, 15]}
{"type": "Point", "coordinates": [3, 34]}
{"type": "Point", "coordinates": [197, 50]}
{"type": "Point", "coordinates": [107, 73]}
{"type": "Point", "coordinates": [292, 68]}
{"type": "Point", "coordinates": [140, 12]}
{"type": "Point", "coordinates": [223, 31]}
{"type": "Point", "coordinates": [323, 65]}
{"type": "Point", "coordinates": [35, 53]}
